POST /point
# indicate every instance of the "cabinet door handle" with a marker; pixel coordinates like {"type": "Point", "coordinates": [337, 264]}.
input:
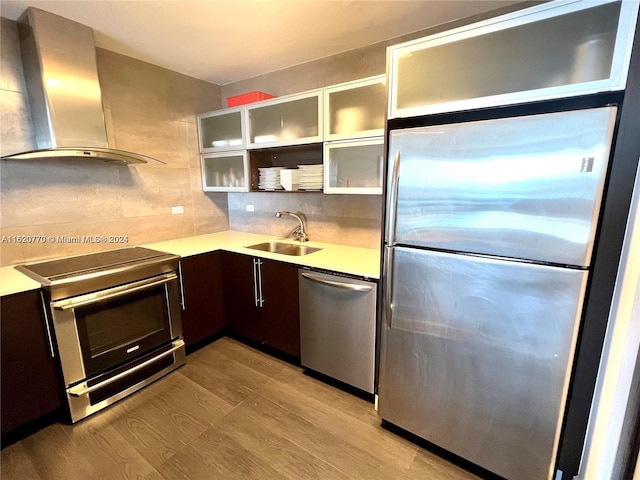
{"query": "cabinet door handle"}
{"type": "Point", "coordinates": [255, 282]}
{"type": "Point", "coordinates": [261, 299]}
{"type": "Point", "coordinates": [183, 304]}
{"type": "Point", "coordinates": [46, 325]}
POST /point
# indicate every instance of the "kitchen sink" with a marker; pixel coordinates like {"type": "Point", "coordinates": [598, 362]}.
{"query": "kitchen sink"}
{"type": "Point", "coordinates": [284, 248]}
{"type": "Point", "coordinates": [298, 250]}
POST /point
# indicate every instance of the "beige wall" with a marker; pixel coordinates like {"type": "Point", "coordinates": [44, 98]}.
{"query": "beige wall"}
{"type": "Point", "coordinates": [148, 110]}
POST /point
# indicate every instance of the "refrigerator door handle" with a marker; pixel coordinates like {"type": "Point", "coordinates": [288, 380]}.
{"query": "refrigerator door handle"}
{"type": "Point", "coordinates": [388, 285]}
{"type": "Point", "coordinates": [393, 200]}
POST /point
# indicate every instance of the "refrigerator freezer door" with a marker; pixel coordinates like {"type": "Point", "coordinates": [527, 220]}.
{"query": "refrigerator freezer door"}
{"type": "Point", "coordinates": [522, 187]}
{"type": "Point", "coordinates": [476, 356]}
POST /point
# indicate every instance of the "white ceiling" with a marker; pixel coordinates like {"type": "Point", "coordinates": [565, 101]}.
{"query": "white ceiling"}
{"type": "Point", "coordinates": [226, 41]}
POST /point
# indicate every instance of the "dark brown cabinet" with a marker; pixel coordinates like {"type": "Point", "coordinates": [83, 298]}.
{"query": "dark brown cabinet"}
{"type": "Point", "coordinates": [261, 301]}
{"type": "Point", "coordinates": [204, 314]}
{"type": "Point", "coordinates": [31, 384]}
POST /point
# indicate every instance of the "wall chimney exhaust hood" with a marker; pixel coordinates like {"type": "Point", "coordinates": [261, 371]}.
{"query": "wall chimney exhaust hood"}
{"type": "Point", "coordinates": [61, 73]}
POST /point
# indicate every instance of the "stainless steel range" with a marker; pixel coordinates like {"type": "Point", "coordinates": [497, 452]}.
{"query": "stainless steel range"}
{"type": "Point", "coordinates": [116, 322]}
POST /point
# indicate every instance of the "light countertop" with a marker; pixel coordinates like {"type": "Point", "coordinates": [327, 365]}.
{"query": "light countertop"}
{"type": "Point", "coordinates": [12, 281]}
{"type": "Point", "coordinates": [363, 262]}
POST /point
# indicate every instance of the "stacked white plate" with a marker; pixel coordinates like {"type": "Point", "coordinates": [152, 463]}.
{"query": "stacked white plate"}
{"type": "Point", "coordinates": [289, 178]}
{"type": "Point", "coordinates": [269, 178]}
{"type": "Point", "coordinates": [310, 177]}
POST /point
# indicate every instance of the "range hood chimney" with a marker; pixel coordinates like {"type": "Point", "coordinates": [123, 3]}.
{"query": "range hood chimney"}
{"type": "Point", "coordinates": [60, 69]}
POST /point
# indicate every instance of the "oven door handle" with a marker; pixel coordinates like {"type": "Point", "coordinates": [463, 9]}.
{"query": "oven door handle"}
{"type": "Point", "coordinates": [112, 293]}
{"type": "Point", "coordinates": [80, 390]}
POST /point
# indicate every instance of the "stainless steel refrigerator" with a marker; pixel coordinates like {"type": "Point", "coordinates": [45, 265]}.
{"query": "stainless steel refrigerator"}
{"type": "Point", "coordinates": [489, 235]}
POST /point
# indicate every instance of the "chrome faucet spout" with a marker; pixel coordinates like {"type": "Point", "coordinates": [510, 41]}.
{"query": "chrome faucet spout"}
{"type": "Point", "coordinates": [299, 233]}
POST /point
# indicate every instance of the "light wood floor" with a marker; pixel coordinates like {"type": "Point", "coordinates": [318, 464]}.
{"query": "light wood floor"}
{"type": "Point", "coordinates": [230, 413]}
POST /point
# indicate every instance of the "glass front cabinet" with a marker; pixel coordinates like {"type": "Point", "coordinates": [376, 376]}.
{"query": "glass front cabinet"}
{"type": "Point", "coordinates": [225, 172]}
{"type": "Point", "coordinates": [553, 50]}
{"type": "Point", "coordinates": [355, 109]}
{"type": "Point", "coordinates": [287, 131]}
{"type": "Point", "coordinates": [290, 120]}
{"type": "Point", "coordinates": [222, 130]}
{"type": "Point", "coordinates": [354, 167]}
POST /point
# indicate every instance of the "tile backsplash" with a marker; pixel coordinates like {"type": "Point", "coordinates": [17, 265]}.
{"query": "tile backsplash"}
{"type": "Point", "coordinates": [344, 219]}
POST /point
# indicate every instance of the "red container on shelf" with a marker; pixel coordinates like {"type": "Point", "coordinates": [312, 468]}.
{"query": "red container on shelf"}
{"type": "Point", "coordinates": [245, 98]}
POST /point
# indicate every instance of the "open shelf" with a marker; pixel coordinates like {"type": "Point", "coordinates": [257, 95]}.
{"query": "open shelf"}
{"type": "Point", "coordinates": [289, 157]}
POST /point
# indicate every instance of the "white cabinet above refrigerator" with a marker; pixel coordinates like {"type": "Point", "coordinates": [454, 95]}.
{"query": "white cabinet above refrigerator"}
{"type": "Point", "coordinates": [554, 50]}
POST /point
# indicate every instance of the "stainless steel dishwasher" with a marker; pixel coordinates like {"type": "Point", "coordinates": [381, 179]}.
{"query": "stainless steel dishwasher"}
{"type": "Point", "coordinates": [338, 327]}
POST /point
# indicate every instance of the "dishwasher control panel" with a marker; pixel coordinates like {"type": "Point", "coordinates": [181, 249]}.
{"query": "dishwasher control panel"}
{"type": "Point", "coordinates": [339, 274]}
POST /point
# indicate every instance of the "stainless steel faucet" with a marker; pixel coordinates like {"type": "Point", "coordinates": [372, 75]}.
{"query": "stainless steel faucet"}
{"type": "Point", "coordinates": [299, 233]}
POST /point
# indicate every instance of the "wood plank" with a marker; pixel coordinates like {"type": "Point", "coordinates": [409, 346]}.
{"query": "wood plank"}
{"type": "Point", "coordinates": [429, 465]}
{"type": "Point", "coordinates": [17, 462]}
{"type": "Point", "coordinates": [230, 380]}
{"type": "Point", "coordinates": [54, 454]}
{"type": "Point", "coordinates": [351, 405]}
{"type": "Point", "coordinates": [353, 460]}
{"type": "Point", "coordinates": [318, 406]}
{"type": "Point", "coordinates": [254, 359]}
{"type": "Point", "coordinates": [154, 475]}
{"type": "Point", "coordinates": [161, 419]}
{"type": "Point", "coordinates": [216, 455]}
{"type": "Point", "coordinates": [107, 453]}
{"type": "Point", "coordinates": [274, 449]}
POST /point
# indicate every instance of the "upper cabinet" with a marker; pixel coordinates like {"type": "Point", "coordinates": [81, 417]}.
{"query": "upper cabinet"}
{"type": "Point", "coordinates": [355, 109]}
{"type": "Point", "coordinates": [554, 50]}
{"type": "Point", "coordinates": [222, 130]}
{"type": "Point", "coordinates": [284, 121]}
{"type": "Point", "coordinates": [225, 171]}
{"type": "Point", "coordinates": [354, 166]}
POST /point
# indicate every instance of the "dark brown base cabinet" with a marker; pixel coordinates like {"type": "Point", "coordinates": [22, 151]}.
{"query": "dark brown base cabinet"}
{"type": "Point", "coordinates": [204, 314]}
{"type": "Point", "coordinates": [261, 301]}
{"type": "Point", "coordinates": [31, 384]}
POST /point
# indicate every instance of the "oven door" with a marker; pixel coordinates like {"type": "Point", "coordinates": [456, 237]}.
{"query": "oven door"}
{"type": "Point", "coordinates": [102, 330]}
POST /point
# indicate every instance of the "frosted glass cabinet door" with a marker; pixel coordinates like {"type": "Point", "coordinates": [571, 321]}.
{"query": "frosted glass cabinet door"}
{"type": "Point", "coordinates": [354, 167]}
{"type": "Point", "coordinates": [553, 50]}
{"type": "Point", "coordinates": [221, 130]}
{"type": "Point", "coordinates": [291, 120]}
{"type": "Point", "coordinates": [355, 109]}
{"type": "Point", "coordinates": [225, 172]}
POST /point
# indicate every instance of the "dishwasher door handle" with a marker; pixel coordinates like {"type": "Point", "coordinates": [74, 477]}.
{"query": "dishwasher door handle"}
{"type": "Point", "coordinates": [347, 286]}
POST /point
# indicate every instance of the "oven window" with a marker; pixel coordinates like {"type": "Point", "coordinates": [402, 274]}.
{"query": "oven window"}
{"type": "Point", "coordinates": [114, 331]}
